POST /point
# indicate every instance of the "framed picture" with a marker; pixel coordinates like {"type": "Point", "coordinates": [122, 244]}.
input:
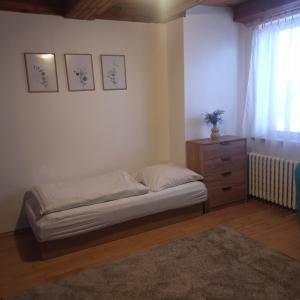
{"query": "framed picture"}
{"type": "Point", "coordinates": [113, 72]}
{"type": "Point", "coordinates": [80, 72]}
{"type": "Point", "coordinates": [41, 72]}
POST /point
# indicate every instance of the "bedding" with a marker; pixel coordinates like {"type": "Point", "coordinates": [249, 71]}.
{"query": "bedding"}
{"type": "Point", "coordinates": [160, 177]}
{"type": "Point", "coordinates": [79, 220]}
{"type": "Point", "coordinates": [61, 196]}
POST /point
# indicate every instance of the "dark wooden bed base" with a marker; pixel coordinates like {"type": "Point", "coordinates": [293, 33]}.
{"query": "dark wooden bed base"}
{"type": "Point", "coordinates": [56, 248]}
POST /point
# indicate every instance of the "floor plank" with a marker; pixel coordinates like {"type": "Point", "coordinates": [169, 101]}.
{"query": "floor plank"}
{"type": "Point", "coordinates": [268, 224]}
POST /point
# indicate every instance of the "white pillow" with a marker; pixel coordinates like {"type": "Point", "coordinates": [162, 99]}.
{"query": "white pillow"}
{"type": "Point", "coordinates": [88, 191]}
{"type": "Point", "coordinates": [160, 177]}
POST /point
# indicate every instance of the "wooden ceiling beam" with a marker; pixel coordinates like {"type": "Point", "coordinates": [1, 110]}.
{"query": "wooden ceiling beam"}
{"type": "Point", "coordinates": [133, 13]}
{"type": "Point", "coordinates": [52, 7]}
{"type": "Point", "coordinates": [260, 10]}
{"type": "Point", "coordinates": [87, 9]}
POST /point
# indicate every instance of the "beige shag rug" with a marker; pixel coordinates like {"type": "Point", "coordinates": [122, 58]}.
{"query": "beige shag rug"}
{"type": "Point", "coordinates": [217, 264]}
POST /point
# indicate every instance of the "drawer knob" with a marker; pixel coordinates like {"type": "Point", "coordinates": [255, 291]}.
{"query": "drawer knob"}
{"type": "Point", "coordinates": [225, 174]}
{"type": "Point", "coordinates": [226, 143]}
{"type": "Point", "coordinates": [227, 188]}
{"type": "Point", "coordinates": [226, 158]}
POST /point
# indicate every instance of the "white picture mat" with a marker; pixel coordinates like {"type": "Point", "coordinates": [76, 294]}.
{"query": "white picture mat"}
{"type": "Point", "coordinates": [41, 72]}
{"type": "Point", "coordinates": [80, 72]}
{"type": "Point", "coordinates": [113, 72]}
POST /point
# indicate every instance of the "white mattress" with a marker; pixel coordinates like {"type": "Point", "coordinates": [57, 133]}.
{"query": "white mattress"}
{"type": "Point", "coordinates": [59, 225]}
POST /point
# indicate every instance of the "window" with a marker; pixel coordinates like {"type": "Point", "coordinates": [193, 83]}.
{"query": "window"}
{"type": "Point", "coordinates": [273, 98]}
{"type": "Point", "coordinates": [288, 80]}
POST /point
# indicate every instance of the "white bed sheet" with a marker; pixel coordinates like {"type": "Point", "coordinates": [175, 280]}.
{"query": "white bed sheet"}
{"type": "Point", "coordinates": [79, 220]}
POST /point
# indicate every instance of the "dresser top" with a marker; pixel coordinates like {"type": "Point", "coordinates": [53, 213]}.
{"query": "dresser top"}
{"type": "Point", "coordinates": [224, 138]}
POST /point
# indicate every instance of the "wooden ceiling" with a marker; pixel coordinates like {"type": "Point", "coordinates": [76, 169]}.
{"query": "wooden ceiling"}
{"type": "Point", "coordinates": [261, 10]}
{"type": "Point", "coordinates": [152, 11]}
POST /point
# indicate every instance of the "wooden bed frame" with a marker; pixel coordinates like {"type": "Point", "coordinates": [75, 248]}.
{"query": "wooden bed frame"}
{"type": "Point", "coordinates": [50, 249]}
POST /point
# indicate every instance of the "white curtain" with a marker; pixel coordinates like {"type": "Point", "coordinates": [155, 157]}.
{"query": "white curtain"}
{"type": "Point", "coordinates": [272, 109]}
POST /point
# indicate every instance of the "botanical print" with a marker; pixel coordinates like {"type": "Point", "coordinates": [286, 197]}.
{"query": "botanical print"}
{"type": "Point", "coordinates": [113, 72]}
{"type": "Point", "coordinates": [41, 72]}
{"type": "Point", "coordinates": [43, 76]}
{"type": "Point", "coordinates": [82, 76]}
{"type": "Point", "coordinates": [80, 72]}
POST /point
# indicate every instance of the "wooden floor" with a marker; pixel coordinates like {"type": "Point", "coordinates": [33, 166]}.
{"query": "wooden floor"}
{"type": "Point", "coordinates": [20, 269]}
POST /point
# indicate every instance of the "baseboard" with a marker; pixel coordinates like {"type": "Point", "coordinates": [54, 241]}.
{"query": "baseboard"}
{"type": "Point", "coordinates": [15, 232]}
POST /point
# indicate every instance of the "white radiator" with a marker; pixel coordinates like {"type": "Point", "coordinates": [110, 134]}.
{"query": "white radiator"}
{"type": "Point", "coordinates": [272, 179]}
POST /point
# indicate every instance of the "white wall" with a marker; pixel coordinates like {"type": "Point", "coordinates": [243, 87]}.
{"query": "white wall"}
{"type": "Point", "coordinates": [175, 50]}
{"type": "Point", "coordinates": [211, 67]}
{"type": "Point", "coordinates": [175, 72]}
{"type": "Point", "coordinates": [53, 136]}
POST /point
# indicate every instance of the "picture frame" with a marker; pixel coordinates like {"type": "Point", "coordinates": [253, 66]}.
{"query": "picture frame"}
{"type": "Point", "coordinates": [80, 72]}
{"type": "Point", "coordinates": [41, 72]}
{"type": "Point", "coordinates": [113, 72]}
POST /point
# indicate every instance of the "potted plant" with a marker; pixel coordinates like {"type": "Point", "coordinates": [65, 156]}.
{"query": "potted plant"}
{"type": "Point", "coordinates": [214, 119]}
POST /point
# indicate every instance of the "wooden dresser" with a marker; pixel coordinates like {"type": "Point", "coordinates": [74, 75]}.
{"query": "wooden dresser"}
{"type": "Point", "coordinates": [223, 164]}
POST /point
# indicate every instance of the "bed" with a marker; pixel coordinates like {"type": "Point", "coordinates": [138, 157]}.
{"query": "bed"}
{"type": "Point", "coordinates": [79, 220]}
{"type": "Point", "coordinates": [73, 225]}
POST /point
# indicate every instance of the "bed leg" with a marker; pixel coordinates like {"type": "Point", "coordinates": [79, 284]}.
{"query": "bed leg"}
{"type": "Point", "coordinates": [204, 207]}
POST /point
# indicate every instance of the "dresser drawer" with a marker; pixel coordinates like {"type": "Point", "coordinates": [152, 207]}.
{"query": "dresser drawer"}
{"type": "Point", "coordinates": [226, 194]}
{"type": "Point", "coordinates": [227, 178]}
{"type": "Point", "coordinates": [224, 150]}
{"type": "Point", "coordinates": [220, 165]}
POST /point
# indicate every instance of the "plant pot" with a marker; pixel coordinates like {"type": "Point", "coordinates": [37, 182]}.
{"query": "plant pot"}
{"type": "Point", "coordinates": [214, 133]}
